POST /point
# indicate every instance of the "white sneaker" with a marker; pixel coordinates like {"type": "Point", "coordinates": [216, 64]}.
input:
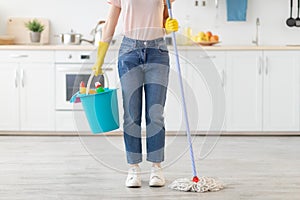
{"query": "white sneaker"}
{"type": "Point", "coordinates": [157, 178]}
{"type": "Point", "coordinates": [134, 177]}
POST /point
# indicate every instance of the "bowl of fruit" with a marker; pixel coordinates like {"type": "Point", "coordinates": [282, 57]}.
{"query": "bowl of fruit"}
{"type": "Point", "coordinates": [206, 39]}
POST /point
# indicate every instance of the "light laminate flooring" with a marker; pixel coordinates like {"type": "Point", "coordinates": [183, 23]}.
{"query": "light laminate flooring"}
{"type": "Point", "coordinates": [88, 168]}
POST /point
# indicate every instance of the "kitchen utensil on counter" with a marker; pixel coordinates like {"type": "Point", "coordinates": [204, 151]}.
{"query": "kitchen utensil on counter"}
{"type": "Point", "coordinates": [291, 21]}
{"type": "Point", "coordinates": [72, 38]}
{"type": "Point", "coordinates": [6, 39]}
{"type": "Point", "coordinates": [15, 26]}
{"type": "Point", "coordinates": [297, 20]}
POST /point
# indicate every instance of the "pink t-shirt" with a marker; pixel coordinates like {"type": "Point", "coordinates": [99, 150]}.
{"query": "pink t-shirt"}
{"type": "Point", "coordinates": [142, 19]}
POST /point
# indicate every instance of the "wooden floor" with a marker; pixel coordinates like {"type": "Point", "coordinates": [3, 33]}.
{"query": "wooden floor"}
{"type": "Point", "coordinates": [80, 168]}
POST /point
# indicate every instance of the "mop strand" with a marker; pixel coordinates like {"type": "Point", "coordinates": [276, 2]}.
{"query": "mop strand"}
{"type": "Point", "coordinates": [204, 184]}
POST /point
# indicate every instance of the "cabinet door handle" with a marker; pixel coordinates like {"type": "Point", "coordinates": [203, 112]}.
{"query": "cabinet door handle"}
{"type": "Point", "coordinates": [19, 56]}
{"type": "Point", "coordinates": [223, 78]}
{"type": "Point", "coordinates": [259, 65]}
{"type": "Point", "coordinates": [108, 69]}
{"type": "Point", "coordinates": [22, 77]}
{"type": "Point", "coordinates": [267, 66]}
{"type": "Point", "coordinates": [16, 79]}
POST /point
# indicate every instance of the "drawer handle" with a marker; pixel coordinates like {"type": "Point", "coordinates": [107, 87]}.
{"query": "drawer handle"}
{"type": "Point", "coordinates": [108, 69]}
{"type": "Point", "coordinates": [19, 56]}
{"type": "Point", "coordinates": [207, 57]}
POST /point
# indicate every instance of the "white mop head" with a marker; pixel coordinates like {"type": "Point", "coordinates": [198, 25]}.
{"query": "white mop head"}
{"type": "Point", "coordinates": [205, 184]}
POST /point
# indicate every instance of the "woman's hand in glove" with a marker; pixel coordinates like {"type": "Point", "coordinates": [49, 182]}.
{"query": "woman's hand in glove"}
{"type": "Point", "coordinates": [171, 25]}
{"type": "Point", "coordinates": [102, 49]}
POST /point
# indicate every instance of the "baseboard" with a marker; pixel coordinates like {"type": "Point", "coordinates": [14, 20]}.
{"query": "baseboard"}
{"type": "Point", "coordinates": [169, 133]}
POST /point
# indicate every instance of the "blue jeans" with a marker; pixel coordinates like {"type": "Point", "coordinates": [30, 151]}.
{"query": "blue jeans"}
{"type": "Point", "coordinates": [144, 65]}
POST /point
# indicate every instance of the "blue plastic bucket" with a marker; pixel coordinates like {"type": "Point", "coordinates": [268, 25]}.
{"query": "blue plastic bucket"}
{"type": "Point", "coordinates": [101, 110]}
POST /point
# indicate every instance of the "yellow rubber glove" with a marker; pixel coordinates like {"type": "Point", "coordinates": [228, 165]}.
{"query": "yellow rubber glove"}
{"type": "Point", "coordinates": [171, 25]}
{"type": "Point", "coordinates": [102, 49]}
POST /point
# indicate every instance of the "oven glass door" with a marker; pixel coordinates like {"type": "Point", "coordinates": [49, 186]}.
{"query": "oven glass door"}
{"type": "Point", "coordinates": [68, 78]}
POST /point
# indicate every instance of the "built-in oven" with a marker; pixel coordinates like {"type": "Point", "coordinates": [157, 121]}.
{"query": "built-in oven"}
{"type": "Point", "coordinates": [71, 69]}
{"type": "Point", "coordinates": [68, 79]}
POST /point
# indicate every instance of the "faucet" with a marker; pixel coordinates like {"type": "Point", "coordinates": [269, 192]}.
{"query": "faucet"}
{"type": "Point", "coordinates": [256, 34]}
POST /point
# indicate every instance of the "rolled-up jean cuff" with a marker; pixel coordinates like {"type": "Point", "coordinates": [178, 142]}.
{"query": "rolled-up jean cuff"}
{"type": "Point", "coordinates": [156, 156]}
{"type": "Point", "coordinates": [134, 158]}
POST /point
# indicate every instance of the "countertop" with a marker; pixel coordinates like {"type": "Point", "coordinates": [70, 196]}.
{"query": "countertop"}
{"type": "Point", "coordinates": [116, 46]}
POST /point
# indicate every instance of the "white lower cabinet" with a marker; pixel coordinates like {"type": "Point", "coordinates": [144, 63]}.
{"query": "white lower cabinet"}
{"type": "Point", "coordinates": [253, 90]}
{"type": "Point", "coordinates": [173, 113]}
{"type": "Point", "coordinates": [281, 91]}
{"type": "Point", "coordinates": [27, 102]}
{"type": "Point", "coordinates": [9, 106]}
{"type": "Point", "coordinates": [204, 89]}
{"type": "Point", "coordinates": [262, 91]}
{"type": "Point", "coordinates": [244, 91]}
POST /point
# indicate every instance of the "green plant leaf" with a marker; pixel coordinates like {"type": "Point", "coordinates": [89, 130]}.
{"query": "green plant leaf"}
{"type": "Point", "coordinates": [35, 26]}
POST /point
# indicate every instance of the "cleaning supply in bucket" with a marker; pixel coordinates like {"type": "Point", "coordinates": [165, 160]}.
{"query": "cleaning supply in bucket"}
{"type": "Point", "coordinates": [99, 87]}
{"type": "Point", "coordinates": [101, 108]}
{"type": "Point", "coordinates": [82, 88]}
{"type": "Point", "coordinates": [203, 184]}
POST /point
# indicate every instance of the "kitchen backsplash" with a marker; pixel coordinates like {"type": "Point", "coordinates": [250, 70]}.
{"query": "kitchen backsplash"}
{"type": "Point", "coordinates": [83, 16]}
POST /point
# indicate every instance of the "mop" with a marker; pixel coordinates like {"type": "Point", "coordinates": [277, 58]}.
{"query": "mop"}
{"type": "Point", "coordinates": [202, 184]}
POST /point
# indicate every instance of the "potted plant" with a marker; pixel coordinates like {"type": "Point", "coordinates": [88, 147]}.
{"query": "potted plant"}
{"type": "Point", "coordinates": [36, 28]}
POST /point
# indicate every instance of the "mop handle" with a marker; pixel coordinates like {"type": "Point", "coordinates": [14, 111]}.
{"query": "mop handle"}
{"type": "Point", "coordinates": [182, 95]}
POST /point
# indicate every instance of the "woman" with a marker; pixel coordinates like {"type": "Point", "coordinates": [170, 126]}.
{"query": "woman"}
{"type": "Point", "coordinates": [143, 64]}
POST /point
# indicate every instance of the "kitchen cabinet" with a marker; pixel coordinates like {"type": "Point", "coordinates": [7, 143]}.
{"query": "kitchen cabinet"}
{"type": "Point", "coordinates": [9, 106]}
{"type": "Point", "coordinates": [262, 91]}
{"type": "Point", "coordinates": [244, 91]}
{"type": "Point", "coordinates": [205, 89]}
{"type": "Point", "coordinates": [281, 90]}
{"type": "Point", "coordinates": [27, 78]}
{"type": "Point", "coordinates": [173, 112]}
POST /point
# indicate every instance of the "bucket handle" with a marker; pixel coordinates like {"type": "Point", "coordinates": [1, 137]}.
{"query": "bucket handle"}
{"type": "Point", "coordinates": [89, 82]}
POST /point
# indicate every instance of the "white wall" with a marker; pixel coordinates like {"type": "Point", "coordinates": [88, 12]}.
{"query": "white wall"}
{"type": "Point", "coordinates": [82, 16]}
